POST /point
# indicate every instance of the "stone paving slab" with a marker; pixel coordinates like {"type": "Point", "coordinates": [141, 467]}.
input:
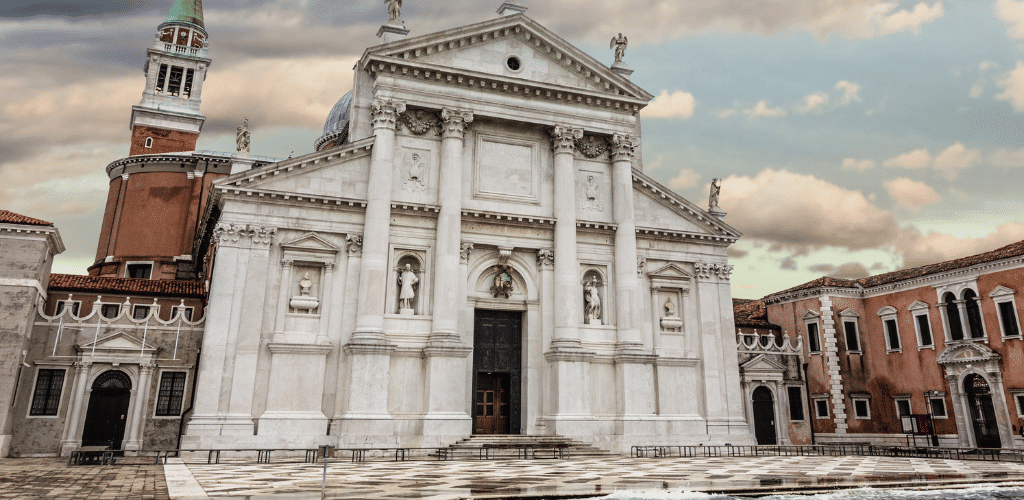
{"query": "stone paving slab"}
{"type": "Point", "coordinates": [35, 478]}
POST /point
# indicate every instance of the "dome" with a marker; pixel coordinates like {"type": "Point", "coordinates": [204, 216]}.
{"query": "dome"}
{"type": "Point", "coordinates": [339, 116]}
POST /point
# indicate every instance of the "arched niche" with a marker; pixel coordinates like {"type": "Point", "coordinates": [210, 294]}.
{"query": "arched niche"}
{"type": "Point", "coordinates": [406, 262]}
{"type": "Point", "coordinates": [593, 293]}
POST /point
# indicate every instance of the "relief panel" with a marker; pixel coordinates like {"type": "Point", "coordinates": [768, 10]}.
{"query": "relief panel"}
{"type": "Point", "coordinates": [507, 169]}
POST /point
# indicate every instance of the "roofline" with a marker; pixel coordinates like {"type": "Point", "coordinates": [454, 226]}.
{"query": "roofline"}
{"type": "Point", "coordinates": [693, 209]}
{"type": "Point", "coordinates": [52, 234]}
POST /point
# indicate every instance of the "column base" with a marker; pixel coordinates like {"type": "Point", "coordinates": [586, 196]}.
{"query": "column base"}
{"type": "Point", "coordinates": [306, 424]}
{"type": "Point", "coordinates": [374, 429]}
{"type": "Point", "coordinates": [220, 425]}
{"type": "Point", "coordinates": [66, 447]}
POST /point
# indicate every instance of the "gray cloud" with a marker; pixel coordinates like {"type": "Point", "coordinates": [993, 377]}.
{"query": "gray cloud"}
{"type": "Point", "coordinates": [736, 253]}
{"type": "Point", "coordinates": [788, 264]}
{"type": "Point", "coordinates": [850, 270]}
{"type": "Point", "coordinates": [77, 8]}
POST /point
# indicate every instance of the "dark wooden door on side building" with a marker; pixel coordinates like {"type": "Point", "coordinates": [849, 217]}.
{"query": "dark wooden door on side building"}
{"type": "Point", "coordinates": [107, 415]}
{"type": "Point", "coordinates": [764, 416]}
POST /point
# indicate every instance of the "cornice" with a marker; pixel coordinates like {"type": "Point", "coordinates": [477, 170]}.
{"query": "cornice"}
{"type": "Point", "coordinates": [266, 195]}
{"type": "Point", "coordinates": [352, 150]}
{"type": "Point", "coordinates": [50, 233]}
{"type": "Point", "coordinates": [684, 206]}
{"type": "Point", "coordinates": [191, 157]}
{"type": "Point", "coordinates": [505, 218]}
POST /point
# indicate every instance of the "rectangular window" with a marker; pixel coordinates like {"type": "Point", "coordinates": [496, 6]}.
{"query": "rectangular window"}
{"type": "Point", "coordinates": [174, 81]}
{"type": "Point", "coordinates": [938, 406]}
{"type": "Point", "coordinates": [143, 271]}
{"type": "Point", "coordinates": [821, 408]}
{"type": "Point", "coordinates": [172, 391]}
{"type": "Point", "coordinates": [862, 409]}
{"type": "Point", "coordinates": [902, 407]}
{"type": "Point", "coordinates": [46, 398]}
{"type": "Point", "coordinates": [852, 343]}
{"type": "Point", "coordinates": [892, 333]}
{"type": "Point", "coordinates": [62, 304]}
{"type": "Point", "coordinates": [812, 337]}
{"type": "Point", "coordinates": [796, 404]}
{"type": "Point", "coordinates": [110, 311]}
{"type": "Point", "coordinates": [924, 329]}
{"type": "Point", "coordinates": [160, 77]}
{"type": "Point", "coordinates": [140, 312]}
{"type": "Point", "coordinates": [186, 91]}
{"type": "Point", "coordinates": [1020, 404]}
{"type": "Point", "coordinates": [1009, 319]}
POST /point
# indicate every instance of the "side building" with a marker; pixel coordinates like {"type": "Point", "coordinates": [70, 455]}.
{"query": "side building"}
{"type": "Point", "coordinates": [931, 354]}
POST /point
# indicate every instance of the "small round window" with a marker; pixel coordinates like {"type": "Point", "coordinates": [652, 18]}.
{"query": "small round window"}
{"type": "Point", "coordinates": [513, 63]}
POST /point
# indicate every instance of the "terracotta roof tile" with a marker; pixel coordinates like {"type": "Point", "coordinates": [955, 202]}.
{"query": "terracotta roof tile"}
{"type": "Point", "coordinates": [104, 284]}
{"type": "Point", "coordinates": [751, 314]}
{"type": "Point", "coordinates": [823, 282]}
{"type": "Point", "coordinates": [13, 218]}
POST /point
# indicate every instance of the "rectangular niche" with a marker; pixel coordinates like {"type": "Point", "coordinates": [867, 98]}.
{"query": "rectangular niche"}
{"type": "Point", "coordinates": [300, 272]}
{"type": "Point", "coordinates": [507, 169]}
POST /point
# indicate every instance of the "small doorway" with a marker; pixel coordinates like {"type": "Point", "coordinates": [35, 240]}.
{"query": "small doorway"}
{"type": "Point", "coordinates": [764, 416]}
{"type": "Point", "coordinates": [107, 415]}
{"type": "Point", "coordinates": [497, 371]}
{"type": "Point", "coordinates": [983, 412]}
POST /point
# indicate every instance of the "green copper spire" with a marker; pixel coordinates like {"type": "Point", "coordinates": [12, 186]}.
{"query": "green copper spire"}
{"type": "Point", "coordinates": [187, 11]}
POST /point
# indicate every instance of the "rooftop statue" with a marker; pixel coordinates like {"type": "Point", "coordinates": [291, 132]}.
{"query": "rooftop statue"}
{"type": "Point", "coordinates": [242, 137]}
{"type": "Point", "coordinates": [619, 43]}
{"type": "Point", "coordinates": [394, 10]}
{"type": "Point", "coordinates": [716, 188]}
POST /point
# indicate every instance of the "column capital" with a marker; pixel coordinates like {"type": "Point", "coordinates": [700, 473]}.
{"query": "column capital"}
{"type": "Point", "coordinates": [83, 366]}
{"type": "Point", "coordinates": [384, 113]}
{"type": "Point", "coordinates": [286, 263]}
{"type": "Point", "coordinates": [329, 267]}
{"type": "Point", "coordinates": [564, 139]}
{"type": "Point", "coordinates": [146, 368]}
{"type": "Point", "coordinates": [545, 257]}
{"type": "Point", "coordinates": [226, 233]}
{"type": "Point", "coordinates": [355, 244]}
{"type": "Point", "coordinates": [454, 122]}
{"type": "Point", "coordinates": [262, 235]}
{"type": "Point", "coordinates": [624, 146]}
{"type": "Point", "coordinates": [464, 250]}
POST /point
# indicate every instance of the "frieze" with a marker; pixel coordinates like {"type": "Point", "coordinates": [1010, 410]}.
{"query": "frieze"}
{"type": "Point", "coordinates": [419, 122]}
{"type": "Point", "coordinates": [592, 146]}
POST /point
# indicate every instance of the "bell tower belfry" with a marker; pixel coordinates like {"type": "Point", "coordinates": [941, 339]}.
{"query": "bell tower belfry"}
{"type": "Point", "coordinates": [168, 118]}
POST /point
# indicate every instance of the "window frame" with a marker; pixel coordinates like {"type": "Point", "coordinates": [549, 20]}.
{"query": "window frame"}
{"type": "Point", "coordinates": [800, 404]}
{"type": "Point", "coordinates": [135, 311]}
{"type": "Point", "coordinates": [101, 305]}
{"type": "Point", "coordinates": [861, 398]}
{"type": "Point", "coordinates": [149, 143]}
{"type": "Point", "coordinates": [60, 392]}
{"type": "Point", "coordinates": [917, 310]}
{"type": "Point", "coordinates": [940, 397]}
{"type": "Point", "coordinates": [889, 313]}
{"type": "Point", "coordinates": [129, 264]}
{"type": "Point", "coordinates": [910, 405]}
{"type": "Point", "coordinates": [850, 316]}
{"type": "Point", "coordinates": [812, 318]}
{"type": "Point", "coordinates": [817, 414]}
{"type": "Point", "coordinates": [159, 386]}
{"type": "Point", "coordinates": [1003, 295]}
{"type": "Point", "coordinates": [61, 305]}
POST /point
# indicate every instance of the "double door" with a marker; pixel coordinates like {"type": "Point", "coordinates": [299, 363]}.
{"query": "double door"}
{"type": "Point", "coordinates": [497, 370]}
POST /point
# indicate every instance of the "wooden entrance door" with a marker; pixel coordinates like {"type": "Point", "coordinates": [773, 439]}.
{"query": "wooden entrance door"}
{"type": "Point", "coordinates": [497, 369]}
{"type": "Point", "coordinates": [983, 412]}
{"type": "Point", "coordinates": [764, 416]}
{"type": "Point", "coordinates": [107, 415]}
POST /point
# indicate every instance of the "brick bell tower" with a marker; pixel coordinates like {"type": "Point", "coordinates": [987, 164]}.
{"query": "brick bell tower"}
{"type": "Point", "coordinates": [155, 199]}
{"type": "Point", "coordinates": [168, 118]}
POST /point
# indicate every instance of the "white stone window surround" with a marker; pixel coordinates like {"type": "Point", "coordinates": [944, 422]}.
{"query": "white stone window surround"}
{"type": "Point", "coordinates": [918, 309]}
{"type": "Point", "coordinates": [63, 388]}
{"type": "Point", "coordinates": [957, 288]}
{"type": "Point", "coordinates": [149, 142]}
{"type": "Point", "coordinates": [935, 396]}
{"type": "Point", "coordinates": [508, 64]}
{"type": "Point", "coordinates": [187, 313]}
{"type": "Point", "coordinates": [588, 270]}
{"type": "Point", "coordinates": [1018, 400]}
{"type": "Point", "coordinates": [897, 399]}
{"type": "Point", "coordinates": [150, 263]}
{"type": "Point", "coordinates": [818, 399]}
{"type": "Point", "coordinates": [155, 388]}
{"type": "Point", "coordinates": [1002, 295]}
{"type": "Point", "coordinates": [98, 307]}
{"type": "Point", "coordinates": [851, 316]}
{"type": "Point", "coordinates": [861, 398]}
{"type": "Point", "coordinates": [888, 313]}
{"type": "Point", "coordinates": [811, 318]}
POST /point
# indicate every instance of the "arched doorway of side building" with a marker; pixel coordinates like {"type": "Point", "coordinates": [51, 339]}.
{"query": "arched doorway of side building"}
{"type": "Point", "coordinates": [983, 412]}
{"type": "Point", "coordinates": [764, 416]}
{"type": "Point", "coordinates": [107, 415]}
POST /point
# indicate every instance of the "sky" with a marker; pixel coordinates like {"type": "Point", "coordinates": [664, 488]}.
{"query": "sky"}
{"type": "Point", "coordinates": [853, 137]}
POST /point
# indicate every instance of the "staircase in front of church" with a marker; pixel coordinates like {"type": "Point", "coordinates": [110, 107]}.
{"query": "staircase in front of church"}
{"type": "Point", "coordinates": [512, 446]}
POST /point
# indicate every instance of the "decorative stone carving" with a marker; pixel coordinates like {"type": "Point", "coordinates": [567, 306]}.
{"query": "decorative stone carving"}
{"type": "Point", "coordinates": [619, 44]}
{"type": "Point", "coordinates": [641, 266]}
{"type": "Point", "coordinates": [385, 112]}
{"type": "Point", "coordinates": [416, 164]}
{"type": "Point", "coordinates": [262, 235]}
{"type": "Point", "coordinates": [593, 311]}
{"type": "Point", "coordinates": [670, 321]}
{"type": "Point", "coordinates": [545, 257]}
{"type": "Point", "coordinates": [464, 250]}
{"type": "Point", "coordinates": [502, 281]}
{"type": "Point", "coordinates": [394, 11]}
{"type": "Point", "coordinates": [592, 146]}
{"type": "Point", "coordinates": [145, 368]}
{"type": "Point", "coordinates": [329, 267]}
{"type": "Point", "coordinates": [407, 280]}
{"type": "Point", "coordinates": [225, 232]}
{"type": "Point", "coordinates": [354, 242]}
{"type": "Point", "coordinates": [455, 122]}
{"type": "Point", "coordinates": [564, 139]}
{"type": "Point", "coordinates": [590, 192]}
{"type": "Point", "coordinates": [303, 301]}
{"type": "Point", "coordinates": [504, 253]}
{"type": "Point", "coordinates": [83, 366]}
{"type": "Point", "coordinates": [624, 146]}
{"type": "Point", "coordinates": [716, 189]}
{"type": "Point", "coordinates": [242, 137]}
{"type": "Point", "coordinates": [707, 271]}
{"type": "Point", "coordinates": [419, 122]}
{"type": "Point", "coordinates": [724, 272]}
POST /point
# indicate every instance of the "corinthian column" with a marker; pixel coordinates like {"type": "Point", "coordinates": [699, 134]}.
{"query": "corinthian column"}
{"type": "Point", "coordinates": [567, 308]}
{"type": "Point", "coordinates": [627, 304]}
{"type": "Point", "coordinates": [449, 228]}
{"type": "Point", "coordinates": [373, 273]}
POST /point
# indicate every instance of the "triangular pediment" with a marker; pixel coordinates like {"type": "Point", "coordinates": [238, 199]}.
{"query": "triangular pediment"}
{"type": "Point", "coordinates": [811, 315]}
{"type": "Point", "coordinates": [968, 352]}
{"type": "Point", "coordinates": [671, 271]}
{"type": "Point", "coordinates": [483, 49]}
{"type": "Point", "coordinates": [310, 242]}
{"type": "Point", "coordinates": [1001, 291]}
{"type": "Point", "coordinates": [657, 207]}
{"type": "Point", "coordinates": [762, 363]}
{"type": "Point", "coordinates": [918, 305]}
{"type": "Point", "coordinates": [119, 341]}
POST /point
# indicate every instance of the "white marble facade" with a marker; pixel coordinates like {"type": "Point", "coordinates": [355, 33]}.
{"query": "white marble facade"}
{"type": "Point", "coordinates": [347, 281]}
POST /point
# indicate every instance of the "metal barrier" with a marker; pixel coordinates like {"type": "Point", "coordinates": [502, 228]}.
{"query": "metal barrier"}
{"type": "Point", "coordinates": [988, 454]}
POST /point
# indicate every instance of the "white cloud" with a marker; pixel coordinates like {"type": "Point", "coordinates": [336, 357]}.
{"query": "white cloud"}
{"type": "Point", "coordinates": [977, 89]}
{"type": "Point", "coordinates": [687, 178]}
{"type": "Point", "coordinates": [918, 159]}
{"type": "Point", "coordinates": [984, 66]}
{"type": "Point", "coordinates": [850, 90]}
{"type": "Point", "coordinates": [911, 194]}
{"type": "Point", "coordinates": [1012, 83]}
{"type": "Point", "coordinates": [858, 165]}
{"type": "Point", "coordinates": [812, 103]}
{"type": "Point", "coordinates": [762, 109]}
{"type": "Point", "coordinates": [678, 104]}
{"type": "Point", "coordinates": [1011, 13]}
{"type": "Point", "coordinates": [725, 113]}
{"type": "Point", "coordinates": [910, 20]}
{"type": "Point", "coordinates": [1007, 158]}
{"type": "Point", "coordinates": [919, 249]}
{"type": "Point", "coordinates": [954, 159]}
{"type": "Point", "coordinates": [873, 19]}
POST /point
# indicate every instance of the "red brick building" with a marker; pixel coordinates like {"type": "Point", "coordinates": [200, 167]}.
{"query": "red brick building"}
{"type": "Point", "coordinates": [934, 350]}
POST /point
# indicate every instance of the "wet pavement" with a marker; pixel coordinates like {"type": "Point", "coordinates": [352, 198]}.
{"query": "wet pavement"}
{"type": "Point", "coordinates": [25, 478]}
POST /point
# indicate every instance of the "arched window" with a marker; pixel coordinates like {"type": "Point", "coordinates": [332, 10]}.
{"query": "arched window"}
{"type": "Point", "coordinates": [973, 314]}
{"type": "Point", "coordinates": [956, 331]}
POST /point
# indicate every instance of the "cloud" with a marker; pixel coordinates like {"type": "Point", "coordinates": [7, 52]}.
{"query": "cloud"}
{"type": "Point", "coordinates": [725, 113]}
{"type": "Point", "coordinates": [762, 109]}
{"type": "Point", "coordinates": [955, 158]}
{"type": "Point", "coordinates": [788, 264]}
{"type": "Point", "coordinates": [1007, 158]}
{"type": "Point", "coordinates": [850, 90]}
{"type": "Point", "coordinates": [678, 104]}
{"type": "Point", "coordinates": [918, 159]}
{"type": "Point", "coordinates": [1012, 13]}
{"type": "Point", "coordinates": [867, 19]}
{"type": "Point", "coordinates": [1012, 83]}
{"type": "Point", "coordinates": [850, 270]}
{"type": "Point", "coordinates": [918, 249]}
{"type": "Point", "coordinates": [686, 178]}
{"type": "Point", "coordinates": [812, 103]}
{"type": "Point", "coordinates": [858, 165]}
{"type": "Point", "coordinates": [736, 253]}
{"type": "Point", "coordinates": [799, 211]}
{"type": "Point", "coordinates": [911, 194]}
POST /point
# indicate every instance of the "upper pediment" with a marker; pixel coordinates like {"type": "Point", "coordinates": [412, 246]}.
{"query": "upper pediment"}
{"type": "Point", "coordinates": [545, 66]}
{"type": "Point", "coordinates": [659, 208]}
{"type": "Point", "coordinates": [762, 363]}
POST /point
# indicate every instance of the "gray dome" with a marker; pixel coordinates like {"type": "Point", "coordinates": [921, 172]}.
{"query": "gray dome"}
{"type": "Point", "coordinates": [339, 116]}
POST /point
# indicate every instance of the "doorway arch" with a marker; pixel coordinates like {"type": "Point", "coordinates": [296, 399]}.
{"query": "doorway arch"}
{"type": "Point", "coordinates": [764, 416]}
{"type": "Point", "coordinates": [107, 415]}
{"type": "Point", "coordinates": [982, 412]}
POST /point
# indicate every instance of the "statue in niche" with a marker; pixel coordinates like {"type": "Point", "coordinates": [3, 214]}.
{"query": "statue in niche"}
{"type": "Point", "coordinates": [593, 302]}
{"type": "Point", "coordinates": [305, 284]}
{"type": "Point", "coordinates": [670, 308]}
{"type": "Point", "coordinates": [716, 189]}
{"type": "Point", "coordinates": [619, 43]}
{"type": "Point", "coordinates": [408, 281]}
{"type": "Point", "coordinates": [242, 137]}
{"type": "Point", "coordinates": [670, 321]}
{"type": "Point", "coordinates": [590, 190]}
{"type": "Point", "coordinates": [394, 11]}
{"type": "Point", "coordinates": [415, 183]}
{"type": "Point", "coordinates": [304, 301]}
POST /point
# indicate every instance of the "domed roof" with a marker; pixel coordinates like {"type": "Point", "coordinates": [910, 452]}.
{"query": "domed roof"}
{"type": "Point", "coordinates": [339, 116]}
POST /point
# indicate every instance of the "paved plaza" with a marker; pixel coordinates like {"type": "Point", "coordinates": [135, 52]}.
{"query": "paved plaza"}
{"type": "Point", "coordinates": [51, 478]}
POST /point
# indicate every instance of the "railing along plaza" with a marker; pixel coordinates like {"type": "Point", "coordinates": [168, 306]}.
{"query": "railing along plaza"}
{"type": "Point", "coordinates": [689, 451]}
